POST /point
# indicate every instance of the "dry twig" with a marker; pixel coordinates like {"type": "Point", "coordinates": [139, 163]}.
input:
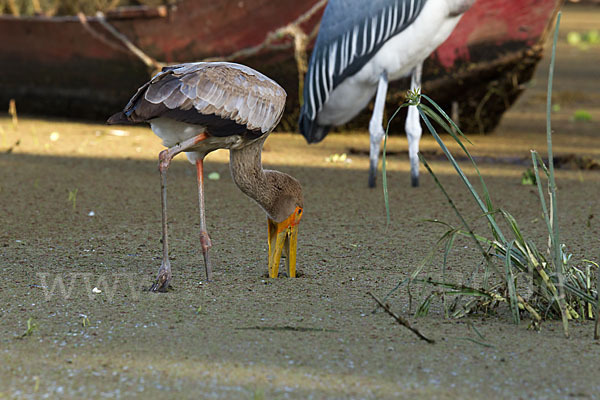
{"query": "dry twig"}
{"type": "Point", "coordinates": [400, 320]}
{"type": "Point", "coordinates": [12, 110]}
{"type": "Point", "coordinates": [152, 64]}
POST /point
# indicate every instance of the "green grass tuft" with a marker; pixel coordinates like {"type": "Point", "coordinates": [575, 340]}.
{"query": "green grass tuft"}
{"type": "Point", "coordinates": [544, 285]}
{"type": "Point", "coordinates": [31, 327]}
{"type": "Point", "coordinates": [582, 116]}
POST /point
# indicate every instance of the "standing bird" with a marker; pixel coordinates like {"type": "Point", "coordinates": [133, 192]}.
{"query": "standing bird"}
{"type": "Point", "coordinates": [200, 107]}
{"type": "Point", "coordinates": [361, 46]}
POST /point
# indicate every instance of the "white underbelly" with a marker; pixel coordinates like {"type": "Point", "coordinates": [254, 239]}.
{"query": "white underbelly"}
{"type": "Point", "coordinates": [174, 132]}
{"type": "Point", "coordinates": [398, 56]}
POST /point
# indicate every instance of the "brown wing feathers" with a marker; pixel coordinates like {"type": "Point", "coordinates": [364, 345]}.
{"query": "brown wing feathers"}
{"type": "Point", "coordinates": [192, 92]}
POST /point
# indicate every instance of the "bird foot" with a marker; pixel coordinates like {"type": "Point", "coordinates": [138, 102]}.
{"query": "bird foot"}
{"type": "Point", "coordinates": [162, 280]}
{"type": "Point", "coordinates": [283, 273]}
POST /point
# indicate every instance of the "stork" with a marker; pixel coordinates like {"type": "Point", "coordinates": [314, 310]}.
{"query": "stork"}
{"type": "Point", "coordinates": [200, 107]}
{"type": "Point", "coordinates": [363, 45]}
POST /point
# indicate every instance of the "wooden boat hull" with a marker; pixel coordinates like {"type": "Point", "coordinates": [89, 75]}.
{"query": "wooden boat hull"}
{"type": "Point", "coordinates": [75, 67]}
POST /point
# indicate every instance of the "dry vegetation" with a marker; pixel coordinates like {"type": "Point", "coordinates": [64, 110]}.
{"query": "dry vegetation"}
{"type": "Point", "coordinates": [69, 7]}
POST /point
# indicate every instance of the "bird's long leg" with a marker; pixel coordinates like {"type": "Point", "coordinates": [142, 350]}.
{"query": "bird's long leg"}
{"type": "Point", "coordinates": [164, 273]}
{"type": "Point", "coordinates": [204, 238]}
{"type": "Point", "coordinates": [413, 128]}
{"type": "Point", "coordinates": [164, 160]}
{"type": "Point", "coordinates": [376, 127]}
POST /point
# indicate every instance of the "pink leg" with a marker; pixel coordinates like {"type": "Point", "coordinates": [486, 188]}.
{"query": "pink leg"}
{"type": "Point", "coordinates": [164, 273]}
{"type": "Point", "coordinates": [164, 160]}
{"type": "Point", "coordinates": [204, 238]}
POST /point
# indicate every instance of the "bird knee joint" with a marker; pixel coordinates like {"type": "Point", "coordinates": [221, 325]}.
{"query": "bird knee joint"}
{"type": "Point", "coordinates": [164, 160]}
{"type": "Point", "coordinates": [376, 129]}
{"type": "Point", "coordinates": [205, 240]}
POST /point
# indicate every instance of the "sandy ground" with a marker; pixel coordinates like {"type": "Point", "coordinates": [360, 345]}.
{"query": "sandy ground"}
{"type": "Point", "coordinates": [243, 335]}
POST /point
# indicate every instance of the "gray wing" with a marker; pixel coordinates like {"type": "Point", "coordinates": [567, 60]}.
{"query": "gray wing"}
{"type": "Point", "coordinates": [351, 32]}
{"type": "Point", "coordinates": [221, 93]}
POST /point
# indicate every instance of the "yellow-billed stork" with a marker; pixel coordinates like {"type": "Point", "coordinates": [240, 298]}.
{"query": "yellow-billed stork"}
{"type": "Point", "coordinates": [200, 107]}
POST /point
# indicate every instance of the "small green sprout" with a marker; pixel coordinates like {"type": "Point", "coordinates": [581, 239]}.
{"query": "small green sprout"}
{"type": "Point", "coordinates": [583, 40]}
{"type": "Point", "coordinates": [574, 38]}
{"type": "Point", "coordinates": [582, 116]}
{"type": "Point", "coordinates": [592, 37]}
{"type": "Point", "coordinates": [73, 197]}
{"type": "Point", "coordinates": [31, 326]}
{"type": "Point", "coordinates": [528, 178]}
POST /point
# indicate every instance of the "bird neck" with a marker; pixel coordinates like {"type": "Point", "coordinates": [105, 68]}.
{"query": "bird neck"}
{"type": "Point", "coordinates": [248, 174]}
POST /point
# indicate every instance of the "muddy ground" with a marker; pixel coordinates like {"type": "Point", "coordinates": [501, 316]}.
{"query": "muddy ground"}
{"type": "Point", "coordinates": [80, 205]}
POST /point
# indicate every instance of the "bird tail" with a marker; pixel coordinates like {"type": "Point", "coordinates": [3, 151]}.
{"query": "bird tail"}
{"type": "Point", "coordinates": [312, 131]}
{"type": "Point", "coordinates": [119, 118]}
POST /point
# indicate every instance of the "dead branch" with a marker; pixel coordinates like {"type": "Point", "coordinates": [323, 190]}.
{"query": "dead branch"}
{"type": "Point", "coordinates": [400, 320]}
{"type": "Point", "coordinates": [152, 64]}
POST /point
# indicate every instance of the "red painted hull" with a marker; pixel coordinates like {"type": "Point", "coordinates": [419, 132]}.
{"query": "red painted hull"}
{"type": "Point", "coordinates": [60, 66]}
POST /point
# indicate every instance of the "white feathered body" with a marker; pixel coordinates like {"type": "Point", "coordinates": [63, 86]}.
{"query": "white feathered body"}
{"type": "Point", "coordinates": [398, 56]}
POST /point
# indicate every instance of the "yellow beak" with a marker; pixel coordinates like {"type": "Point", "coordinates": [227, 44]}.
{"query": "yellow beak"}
{"type": "Point", "coordinates": [284, 236]}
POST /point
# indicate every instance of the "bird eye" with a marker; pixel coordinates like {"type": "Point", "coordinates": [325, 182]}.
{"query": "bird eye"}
{"type": "Point", "coordinates": [299, 211]}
